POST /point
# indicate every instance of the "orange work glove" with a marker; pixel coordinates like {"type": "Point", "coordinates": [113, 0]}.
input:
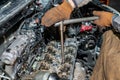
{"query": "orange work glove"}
{"type": "Point", "coordinates": [105, 18]}
{"type": "Point", "coordinates": [56, 14]}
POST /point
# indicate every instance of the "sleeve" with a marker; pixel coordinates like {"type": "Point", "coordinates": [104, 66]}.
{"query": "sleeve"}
{"type": "Point", "coordinates": [116, 23]}
{"type": "Point", "coordinates": [80, 3]}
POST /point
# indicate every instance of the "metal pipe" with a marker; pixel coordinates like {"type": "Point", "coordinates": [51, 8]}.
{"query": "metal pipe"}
{"type": "Point", "coordinates": [62, 41]}
{"type": "Point", "coordinates": [72, 21]}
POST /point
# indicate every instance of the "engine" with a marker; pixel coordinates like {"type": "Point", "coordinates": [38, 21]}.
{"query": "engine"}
{"type": "Point", "coordinates": [66, 52]}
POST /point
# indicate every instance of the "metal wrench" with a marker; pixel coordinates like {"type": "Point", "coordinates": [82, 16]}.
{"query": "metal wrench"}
{"type": "Point", "coordinates": [72, 21]}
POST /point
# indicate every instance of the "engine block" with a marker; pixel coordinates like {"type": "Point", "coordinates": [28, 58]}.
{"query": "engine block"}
{"type": "Point", "coordinates": [51, 60]}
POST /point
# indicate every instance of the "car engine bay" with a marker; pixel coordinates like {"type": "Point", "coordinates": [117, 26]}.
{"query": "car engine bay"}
{"type": "Point", "coordinates": [68, 51]}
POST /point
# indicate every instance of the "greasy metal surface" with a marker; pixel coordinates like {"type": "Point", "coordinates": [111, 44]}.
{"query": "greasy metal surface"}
{"type": "Point", "coordinates": [11, 9]}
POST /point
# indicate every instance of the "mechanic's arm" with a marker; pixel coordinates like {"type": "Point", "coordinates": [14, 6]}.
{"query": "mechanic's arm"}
{"type": "Point", "coordinates": [61, 12]}
{"type": "Point", "coordinates": [107, 19]}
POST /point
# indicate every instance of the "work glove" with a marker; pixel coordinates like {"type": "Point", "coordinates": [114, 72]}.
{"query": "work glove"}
{"type": "Point", "coordinates": [58, 13]}
{"type": "Point", "coordinates": [61, 12]}
{"type": "Point", "coordinates": [105, 18]}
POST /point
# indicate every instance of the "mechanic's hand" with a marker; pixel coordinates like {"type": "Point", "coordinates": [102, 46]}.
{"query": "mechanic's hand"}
{"type": "Point", "coordinates": [105, 18]}
{"type": "Point", "coordinates": [62, 11]}
{"type": "Point", "coordinates": [56, 14]}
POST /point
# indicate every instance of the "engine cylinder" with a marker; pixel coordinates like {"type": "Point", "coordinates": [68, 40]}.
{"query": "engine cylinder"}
{"type": "Point", "coordinates": [14, 50]}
